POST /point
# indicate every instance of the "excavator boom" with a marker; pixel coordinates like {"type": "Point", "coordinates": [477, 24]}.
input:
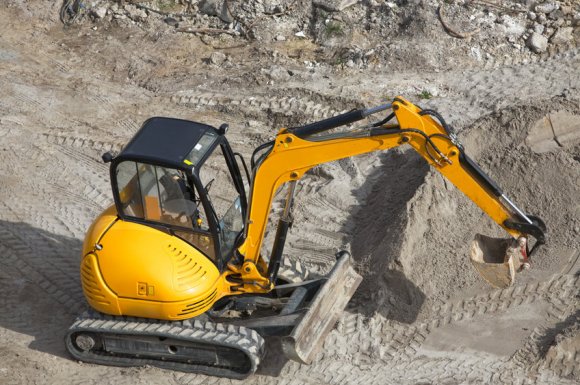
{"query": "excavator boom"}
{"type": "Point", "coordinates": [295, 151]}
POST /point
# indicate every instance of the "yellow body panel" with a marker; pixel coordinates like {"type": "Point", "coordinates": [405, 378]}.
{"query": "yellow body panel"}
{"type": "Point", "coordinates": [98, 228]}
{"type": "Point", "coordinates": [98, 295]}
{"type": "Point", "coordinates": [141, 271]}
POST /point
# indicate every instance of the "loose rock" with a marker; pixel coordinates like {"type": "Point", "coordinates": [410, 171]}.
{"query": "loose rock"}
{"type": "Point", "coordinates": [562, 35]}
{"type": "Point", "coordinates": [217, 8]}
{"type": "Point", "coordinates": [537, 43]}
{"type": "Point", "coordinates": [99, 12]}
{"type": "Point", "coordinates": [333, 5]}
{"type": "Point", "coordinates": [217, 58]}
{"type": "Point", "coordinates": [546, 7]}
{"type": "Point", "coordinates": [555, 15]}
{"type": "Point", "coordinates": [566, 128]}
{"type": "Point", "coordinates": [277, 73]}
{"type": "Point", "coordinates": [541, 137]}
{"type": "Point", "coordinates": [542, 18]}
{"type": "Point", "coordinates": [559, 23]}
{"type": "Point", "coordinates": [512, 26]}
{"type": "Point", "coordinates": [567, 9]}
{"type": "Point", "coordinates": [171, 21]}
{"type": "Point", "coordinates": [135, 13]}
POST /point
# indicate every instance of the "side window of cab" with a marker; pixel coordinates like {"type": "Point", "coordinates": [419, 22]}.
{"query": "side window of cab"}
{"type": "Point", "coordinates": [163, 195]}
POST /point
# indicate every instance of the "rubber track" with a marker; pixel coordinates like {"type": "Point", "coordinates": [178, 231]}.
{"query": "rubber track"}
{"type": "Point", "coordinates": [246, 340]}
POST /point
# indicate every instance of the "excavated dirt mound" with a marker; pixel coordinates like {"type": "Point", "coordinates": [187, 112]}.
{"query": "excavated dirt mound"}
{"type": "Point", "coordinates": [410, 229]}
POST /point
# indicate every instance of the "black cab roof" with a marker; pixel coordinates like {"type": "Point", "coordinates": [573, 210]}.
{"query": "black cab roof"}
{"type": "Point", "coordinates": [172, 142]}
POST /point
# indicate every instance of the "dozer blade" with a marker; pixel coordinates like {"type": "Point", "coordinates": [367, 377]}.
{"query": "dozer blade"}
{"type": "Point", "coordinates": [496, 259]}
{"type": "Point", "coordinates": [308, 335]}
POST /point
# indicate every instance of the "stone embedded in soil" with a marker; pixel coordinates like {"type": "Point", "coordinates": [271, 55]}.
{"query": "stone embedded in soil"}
{"type": "Point", "coordinates": [171, 21]}
{"type": "Point", "coordinates": [541, 137]}
{"type": "Point", "coordinates": [537, 42]}
{"type": "Point", "coordinates": [566, 127]}
{"type": "Point", "coordinates": [277, 73]}
{"type": "Point", "coordinates": [562, 35]}
{"type": "Point", "coordinates": [553, 131]}
{"type": "Point", "coordinates": [217, 58]}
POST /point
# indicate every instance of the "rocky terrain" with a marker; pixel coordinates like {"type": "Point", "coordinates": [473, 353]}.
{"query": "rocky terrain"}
{"type": "Point", "coordinates": [79, 77]}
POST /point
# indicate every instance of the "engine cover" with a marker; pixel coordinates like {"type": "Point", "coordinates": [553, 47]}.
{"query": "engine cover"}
{"type": "Point", "coordinates": [137, 270]}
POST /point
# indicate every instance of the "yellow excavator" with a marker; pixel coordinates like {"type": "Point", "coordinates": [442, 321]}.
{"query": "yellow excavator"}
{"type": "Point", "coordinates": [176, 276]}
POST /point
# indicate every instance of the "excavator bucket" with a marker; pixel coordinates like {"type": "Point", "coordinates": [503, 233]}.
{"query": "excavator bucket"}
{"type": "Point", "coordinates": [497, 259]}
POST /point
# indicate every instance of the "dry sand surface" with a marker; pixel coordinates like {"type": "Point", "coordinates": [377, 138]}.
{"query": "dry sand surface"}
{"type": "Point", "coordinates": [421, 315]}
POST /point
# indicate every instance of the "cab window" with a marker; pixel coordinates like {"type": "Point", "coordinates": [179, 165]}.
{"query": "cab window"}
{"type": "Point", "coordinates": [163, 195]}
{"type": "Point", "coordinates": [215, 176]}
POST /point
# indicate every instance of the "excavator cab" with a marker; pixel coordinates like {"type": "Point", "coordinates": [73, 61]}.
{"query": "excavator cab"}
{"type": "Point", "coordinates": [161, 179]}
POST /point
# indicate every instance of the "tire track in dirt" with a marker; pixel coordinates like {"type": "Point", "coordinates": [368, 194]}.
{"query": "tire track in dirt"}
{"type": "Point", "coordinates": [547, 346]}
{"type": "Point", "coordinates": [366, 334]}
{"type": "Point", "coordinates": [386, 351]}
{"type": "Point", "coordinates": [25, 253]}
{"type": "Point", "coordinates": [503, 86]}
{"type": "Point", "coordinates": [291, 108]}
{"type": "Point", "coordinates": [557, 52]}
{"type": "Point", "coordinates": [80, 142]}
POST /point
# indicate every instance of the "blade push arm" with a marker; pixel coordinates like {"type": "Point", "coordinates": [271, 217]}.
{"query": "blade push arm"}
{"type": "Point", "coordinates": [295, 151]}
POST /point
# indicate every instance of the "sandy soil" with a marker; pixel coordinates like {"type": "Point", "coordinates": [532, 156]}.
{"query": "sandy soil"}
{"type": "Point", "coordinates": [421, 315]}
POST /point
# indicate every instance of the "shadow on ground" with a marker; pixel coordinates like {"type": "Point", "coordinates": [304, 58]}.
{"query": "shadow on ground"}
{"type": "Point", "coordinates": [376, 230]}
{"type": "Point", "coordinates": [41, 292]}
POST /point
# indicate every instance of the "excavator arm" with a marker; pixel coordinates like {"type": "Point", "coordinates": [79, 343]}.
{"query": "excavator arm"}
{"type": "Point", "coordinates": [295, 151]}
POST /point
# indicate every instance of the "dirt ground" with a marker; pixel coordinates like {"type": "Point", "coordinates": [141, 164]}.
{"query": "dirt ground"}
{"type": "Point", "coordinates": [422, 315]}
